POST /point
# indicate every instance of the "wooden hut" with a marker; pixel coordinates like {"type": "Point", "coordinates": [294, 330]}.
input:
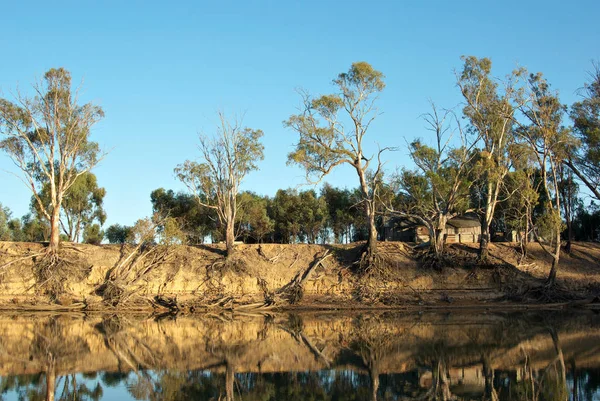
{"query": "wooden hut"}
{"type": "Point", "coordinates": [460, 229]}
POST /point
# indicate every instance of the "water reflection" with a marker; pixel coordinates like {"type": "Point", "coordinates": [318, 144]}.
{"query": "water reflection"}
{"type": "Point", "coordinates": [546, 356]}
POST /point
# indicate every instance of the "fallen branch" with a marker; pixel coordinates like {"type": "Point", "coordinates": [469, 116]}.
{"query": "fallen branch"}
{"type": "Point", "coordinates": [292, 292]}
{"type": "Point", "coordinates": [21, 259]}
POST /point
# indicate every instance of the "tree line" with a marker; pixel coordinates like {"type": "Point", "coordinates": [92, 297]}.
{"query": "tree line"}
{"type": "Point", "coordinates": [513, 154]}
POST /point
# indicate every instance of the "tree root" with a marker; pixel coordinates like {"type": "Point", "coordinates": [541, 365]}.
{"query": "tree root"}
{"type": "Point", "coordinates": [545, 294]}
{"type": "Point", "coordinates": [121, 283]}
{"type": "Point", "coordinates": [293, 291]}
{"type": "Point", "coordinates": [53, 271]}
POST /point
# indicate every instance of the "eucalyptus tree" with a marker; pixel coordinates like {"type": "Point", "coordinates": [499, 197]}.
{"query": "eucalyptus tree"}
{"type": "Point", "coordinates": [226, 159]}
{"type": "Point", "coordinates": [331, 131]}
{"type": "Point", "coordinates": [585, 159]}
{"type": "Point", "coordinates": [490, 111]}
{"type": "Point", "coordinates": [550, 142]}
{"type": "Point", "coordinates": [438, 188]}
{"type": "Point", "coordinates": [47, 138]}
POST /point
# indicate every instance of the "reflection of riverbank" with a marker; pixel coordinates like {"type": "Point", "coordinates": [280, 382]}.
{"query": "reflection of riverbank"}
{"type": "Point", "coordinates": [435, 355]}
{"type": "Point", "coordinates": [279, 343]}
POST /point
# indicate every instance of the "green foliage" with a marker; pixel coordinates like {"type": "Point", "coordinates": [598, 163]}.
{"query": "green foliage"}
{"type": "Point", "coordinates": [93, 234]}
{"type": "Point", "coordinates": [226, 160]}
{"type": "Point", "coordinates": [298, 216]}
{"type": "Point", "coordinates": [586, 224]}
{"type": "Point", "coordinates": [253, 220]}
{"type": "Point", "coordinates": [438, 188]}
{"type": "Point", "coordinates": [34, 229]}
{"type": "Point", "coordinates": [194, 220]}
{"type": "Point", "coordinates": [170, 232]}
{"type": "Point", "coordinates": [340, 213]}
{"type": "Point", "coordinates": [586, 126]}
{"type": "Point", "coordinates": [5, 231]}
{"type": "Point", "coordinates": [324, 142]}
{"type": "Point", "coordinates": [118, 234]}
{"type": "Point", "coordinates": [81, 205]}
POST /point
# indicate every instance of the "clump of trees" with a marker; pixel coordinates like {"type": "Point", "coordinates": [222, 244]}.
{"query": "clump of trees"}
{"type": "Point", "coordinates": [509, 154]}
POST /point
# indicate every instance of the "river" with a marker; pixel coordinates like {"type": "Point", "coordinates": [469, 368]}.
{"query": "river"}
{"type": "Point", "coordinates": [467, 355]}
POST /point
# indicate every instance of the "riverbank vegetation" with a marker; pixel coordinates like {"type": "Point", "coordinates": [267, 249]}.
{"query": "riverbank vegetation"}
{"type": "Point", "coordinates": [512, 156]}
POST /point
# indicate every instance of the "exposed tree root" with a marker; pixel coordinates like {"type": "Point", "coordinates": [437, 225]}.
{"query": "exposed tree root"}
{"type": "Point", "coordinates": [122, 283]}
{"type": "Point", "coordinates": [370, 261]}
{"type": "Point", "coordinates": [544, 293]}
{"type": "Point", "coordinates": [53, 271]}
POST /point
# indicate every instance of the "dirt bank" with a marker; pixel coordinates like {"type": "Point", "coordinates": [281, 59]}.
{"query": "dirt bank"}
{"type": "Point", "coordinates": [183, 278]}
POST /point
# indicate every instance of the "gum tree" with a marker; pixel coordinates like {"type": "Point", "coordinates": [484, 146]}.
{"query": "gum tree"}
{"type": "Point", "coordinates": [331, 131]}
{"type": "Point", "coordinates": [490, 112]}
{"type": "Point", "coordinates": [437, 189]}
{"type": "Point", "coordinates": [47, 138]}
{"type": "Point", "coordinates": [226, 159]}
{"type": "Point", "coordinates": [585, 160]}
{"type": "Point", "coordinates": [549, 142]}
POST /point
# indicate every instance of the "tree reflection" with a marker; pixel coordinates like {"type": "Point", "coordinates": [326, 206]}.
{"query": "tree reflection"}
{"type": "Point", "coordinates": [290, 357]}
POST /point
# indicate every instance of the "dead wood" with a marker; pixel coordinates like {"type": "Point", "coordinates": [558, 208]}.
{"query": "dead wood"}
{"type": "Point", "coordinates": [122, 283]}
{"type": "Point", "coordinates": [293, 291]}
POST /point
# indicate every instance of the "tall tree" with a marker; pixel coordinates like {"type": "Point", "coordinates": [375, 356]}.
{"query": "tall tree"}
{"type": "Point", "coordinates": [584, 160]}
{"type": "Point", "coordinates": [331, 131]}
{"type": "Point", "coordinates": [226, 159]}
{"type": "Point", "coordinates": [47, 137]}
{"type": "Point", "coordinates": [438, 188]}
{"type": "Point", "coordinates": [518, 210]}
{"type": "Point", "coordinates": [490, 112]}
{"type": "Point", "coordinates": [550, 142]}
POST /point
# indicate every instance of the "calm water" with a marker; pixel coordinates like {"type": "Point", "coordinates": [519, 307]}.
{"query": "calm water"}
{"type": "Point", "coordinates": [315, 356]}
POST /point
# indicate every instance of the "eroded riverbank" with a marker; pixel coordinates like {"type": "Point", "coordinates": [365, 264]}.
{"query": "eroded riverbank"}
{"type": "Point", "coordinates": [273, 276]}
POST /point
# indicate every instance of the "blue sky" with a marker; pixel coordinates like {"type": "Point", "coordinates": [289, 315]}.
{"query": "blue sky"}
{"type": "Point", "coordinates": [161, 70]}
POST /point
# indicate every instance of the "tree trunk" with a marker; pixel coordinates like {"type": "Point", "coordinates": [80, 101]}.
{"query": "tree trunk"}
{"type": "Point", "coordinates": [484, 241]}
{"type": "Point", "coordinates": [488, 374]}
{"type": "Point", "coordinates": [555, 258]}
{"type": "Point", "coordinates": [567, 206]}
{"type": "Point", "coordinates": [229, 381]}
{"type": "Point", "coordinates": [50, 381]}
{"type": "Point", "coordinates": [229, 236]}
{"type": "Point", "coordinates": [490, 208]}
{"type": "Point", "coordinates": [54, 231]}
{"type": "Point", "coordinates": [438, 239]}
{"type": "Point", "coordinates": [374, 376]}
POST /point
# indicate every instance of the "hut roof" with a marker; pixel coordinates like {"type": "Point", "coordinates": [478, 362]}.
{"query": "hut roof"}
{"type": "Point", "coordinates": [465, 221]}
